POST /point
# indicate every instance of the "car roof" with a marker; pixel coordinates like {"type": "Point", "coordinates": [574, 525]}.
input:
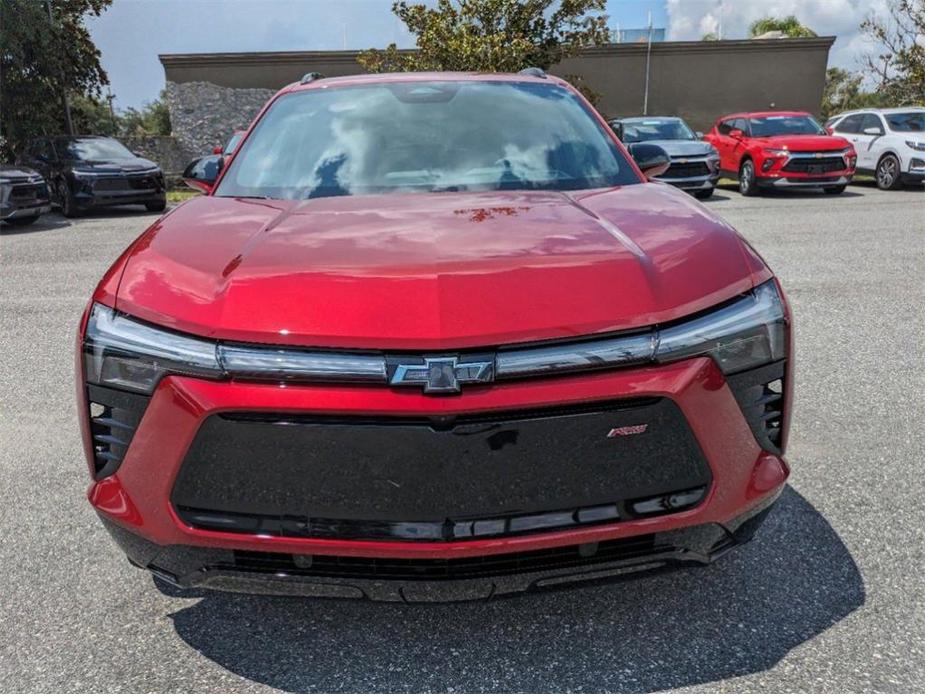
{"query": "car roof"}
{"type": "Point", "coordinates": [884, 111]}
{"type": "Point", "coordinates": [397, 77]}
{"type": "Point", "coordinates": [61, 138]}
{"type": "Point", "coordinates": [763, 114]}
{"type": "Point", "coordinates": [636, 119]}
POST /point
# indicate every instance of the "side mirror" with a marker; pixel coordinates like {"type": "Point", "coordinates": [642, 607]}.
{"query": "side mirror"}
{"type": "Point", "coordinates": [736, 134]}
{"type": "Point", "coordinates": [217, 149]}
{"type": "Point", "coordinates": [651, 159]}
{"type": "Point", "coordinates": [873, 131]}
{"type": "Point", "coordinates": [201, 174]}
{"type": "Point", "coordinates": [699, 134]}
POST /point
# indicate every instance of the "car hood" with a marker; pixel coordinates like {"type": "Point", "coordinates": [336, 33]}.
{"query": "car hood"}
{"type": "Point", "coordinates": [683, 148]}
{"type": "Point", "coordinates": [433, 271]}
{"type": "Point", "coordinates": [114, 166]}
{"type": "Point", "coordinates": [17, 172]}
{"type": "Point", "coordinates": [803, 143]}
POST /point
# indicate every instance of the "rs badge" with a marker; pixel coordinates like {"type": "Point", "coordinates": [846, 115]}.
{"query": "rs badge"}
{"type": "Point", "coordinates": [627, 431]}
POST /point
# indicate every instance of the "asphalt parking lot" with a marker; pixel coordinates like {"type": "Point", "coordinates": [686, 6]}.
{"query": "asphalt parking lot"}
{"type": "Point", "coordinates": [828, 598]}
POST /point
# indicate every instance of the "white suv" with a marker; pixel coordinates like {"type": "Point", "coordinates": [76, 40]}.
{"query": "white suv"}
{"type": "Point", "coordinates": [890, 142]}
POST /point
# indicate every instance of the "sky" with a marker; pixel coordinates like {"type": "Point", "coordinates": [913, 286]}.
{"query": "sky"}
{"type": "Point", "coordinates": [131, 33]}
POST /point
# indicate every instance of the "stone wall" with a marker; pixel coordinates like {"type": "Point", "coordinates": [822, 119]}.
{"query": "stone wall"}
{"type": "Point", "coordinates": [204, 115]}
{"type": "Point", "coordinates": [164, 151]}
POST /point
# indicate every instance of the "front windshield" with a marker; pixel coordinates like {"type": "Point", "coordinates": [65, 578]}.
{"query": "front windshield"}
{"type": "Point", "coordinates": [656, 129]}
{"type": "Point", "coordinates": [93, 149]}
{"type": "Point", "coordinates": [425, 137]}
{"type": "Point", "coordinates": [911, 122]}
{"type": "Point", "coordinates": [769, 126]}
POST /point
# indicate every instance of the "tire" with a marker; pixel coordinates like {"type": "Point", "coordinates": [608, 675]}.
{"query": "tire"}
{"type": "Point", "coordinates": [748, 184]}
{"type": "Point", "coordinates": [835, 190]}
{"type": "Point", "coordinates": [889, 173]}
{"type": "Point", "coordinates": [21, 221]}
{"type": "Point", "coordinates": [157, 206]}
{"type": "Point", "coordinates": [703, 194]}
{"type": "Point", "coordinates": [66, 201]}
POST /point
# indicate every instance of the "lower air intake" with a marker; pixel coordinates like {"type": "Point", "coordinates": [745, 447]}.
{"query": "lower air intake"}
{"type": "Point", "coordinates": [445, 569]}
{"type": "Point", "coordinates": [114, 416]}
{"type": "Point", "coordinates": [760, 394]}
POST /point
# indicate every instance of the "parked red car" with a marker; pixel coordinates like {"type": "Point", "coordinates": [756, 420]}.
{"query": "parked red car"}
{"type": "Point", "coordinates": [781, 149]}
{"type": "Point", "coordinates": [433, 336]}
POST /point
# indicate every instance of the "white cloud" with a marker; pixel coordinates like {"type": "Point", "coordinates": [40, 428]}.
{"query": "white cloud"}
{"type": "Point", "coordinates": [691, 19]}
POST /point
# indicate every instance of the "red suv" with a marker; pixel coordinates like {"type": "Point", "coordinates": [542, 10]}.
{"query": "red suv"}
{"type": "Point", "coordinates": [781, 149]}
{"type": "Point", "coordinates": [433, 336]}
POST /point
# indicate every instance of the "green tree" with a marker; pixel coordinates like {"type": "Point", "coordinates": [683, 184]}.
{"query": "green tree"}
{"type": "Point", "coordinates": [789, 25]}
{"type": "Point", "coordinates": [92, 116]}
{"type": "Point", "coordinates": [492, 35]}
{"type": "Point", "coordinates": [151, 119]}
{"type": "Point", "coordinates": [40, 62]}
{"type": "Point", "coordinates": [899, 67]}
{"type": "Point", "coordinates": [844, 92]}
{"type": "Point", "coordinates": [712, 36]}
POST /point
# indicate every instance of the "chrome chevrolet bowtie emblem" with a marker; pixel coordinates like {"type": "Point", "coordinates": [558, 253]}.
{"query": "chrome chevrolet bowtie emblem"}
{"type": "Point", "coordinates": [442, 374]}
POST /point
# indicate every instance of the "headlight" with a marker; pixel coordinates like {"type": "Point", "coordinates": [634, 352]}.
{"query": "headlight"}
{"type": "Point", "coordinates": [124, 353]}
{"type": "Point", "coordinates": [776, 152]}
{"type": "Point", "coordinates": [917, 146]}
{"type": "Point", "coordinates": [749, 332]}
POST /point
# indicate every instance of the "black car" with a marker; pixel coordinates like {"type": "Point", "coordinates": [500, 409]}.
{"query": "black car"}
{"type": "Point", "coordinates": [84, 172]}
{"type": "Point", "coordinates": [694, 163]}
{"type": "Point", "coordinates": [23, 195]}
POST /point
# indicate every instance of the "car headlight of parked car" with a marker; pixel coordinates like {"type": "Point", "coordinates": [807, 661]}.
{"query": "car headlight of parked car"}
{"type": "Point", "coordinates": [122, 352]}
{"type": "Point", "coordinates": [917, 146]}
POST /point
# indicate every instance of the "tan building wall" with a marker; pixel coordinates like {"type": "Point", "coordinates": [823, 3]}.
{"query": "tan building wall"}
{"type": "Point", "coordinates": [699, 80]}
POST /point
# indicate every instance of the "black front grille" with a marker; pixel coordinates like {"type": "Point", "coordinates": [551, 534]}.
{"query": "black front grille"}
{"type": "Point", "coordinates": [108, 185]}
{"type": "Point", "coordinates": [811, 165]}
{"type": "Point", "coordinates": [436, 479]}
{"type": "Point", "coordinates": [27, 192]}
{"type": "Point", "coordinates": [639, 547]}
{"type": "Point", "coordinates": [687, 170]}
{"type": "Point", "coordinates": [142, 182]}
{"type": "Point", "coordinates": [760, 394]}
{"type": "Point", "coordinates": [114, 416]}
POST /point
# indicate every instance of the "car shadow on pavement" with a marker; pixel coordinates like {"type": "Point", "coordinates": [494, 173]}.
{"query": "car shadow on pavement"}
{"type": "Point", "coordinates": [651, 632]}
{"type": "Point", "coordinates": [46, 222]}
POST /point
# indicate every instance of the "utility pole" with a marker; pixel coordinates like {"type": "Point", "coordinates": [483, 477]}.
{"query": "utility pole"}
{"type": "Point", "coordinates": [67, 107]}
{"type": "Point", "coordinates": [645, 98]}
{"type": "Point", "coordinates": [112, 112]}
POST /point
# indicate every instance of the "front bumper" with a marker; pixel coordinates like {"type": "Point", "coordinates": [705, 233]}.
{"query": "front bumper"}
{"type": "Point", "coordinates": [103, 191]}
{"type": "Point", "coordinates": [138, 497]}
{"type": "Point", "coordinates": [805, 181]}
{"type": "Point", "coordinates": [32, 210]}
{"type": "Point", "coordinates": [435, 580]}
{"type": "Point", "coordinates": [692, 174]}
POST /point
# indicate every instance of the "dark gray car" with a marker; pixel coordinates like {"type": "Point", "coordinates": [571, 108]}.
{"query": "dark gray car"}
{"type": "Point", "coordinates": [23, 195]}
{"type": "Point", "coordinates": [694, 163]}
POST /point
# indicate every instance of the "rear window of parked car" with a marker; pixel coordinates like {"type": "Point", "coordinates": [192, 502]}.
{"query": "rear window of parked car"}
{"type": "Point", "coordinates": [425, 137]}
{"type": "Point", "coordinates": [911, 122]}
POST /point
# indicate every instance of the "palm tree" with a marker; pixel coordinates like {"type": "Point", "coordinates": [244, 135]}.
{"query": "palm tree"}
{"type": "Point", "coordinates": [789, 26]}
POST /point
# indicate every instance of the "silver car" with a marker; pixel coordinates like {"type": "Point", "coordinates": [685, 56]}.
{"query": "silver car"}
{"type": "Point", "coordinates": [694, 163]}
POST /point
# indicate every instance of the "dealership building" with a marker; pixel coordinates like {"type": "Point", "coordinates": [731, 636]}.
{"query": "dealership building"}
{"type": "Point", "coordinates": [212, 94]}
